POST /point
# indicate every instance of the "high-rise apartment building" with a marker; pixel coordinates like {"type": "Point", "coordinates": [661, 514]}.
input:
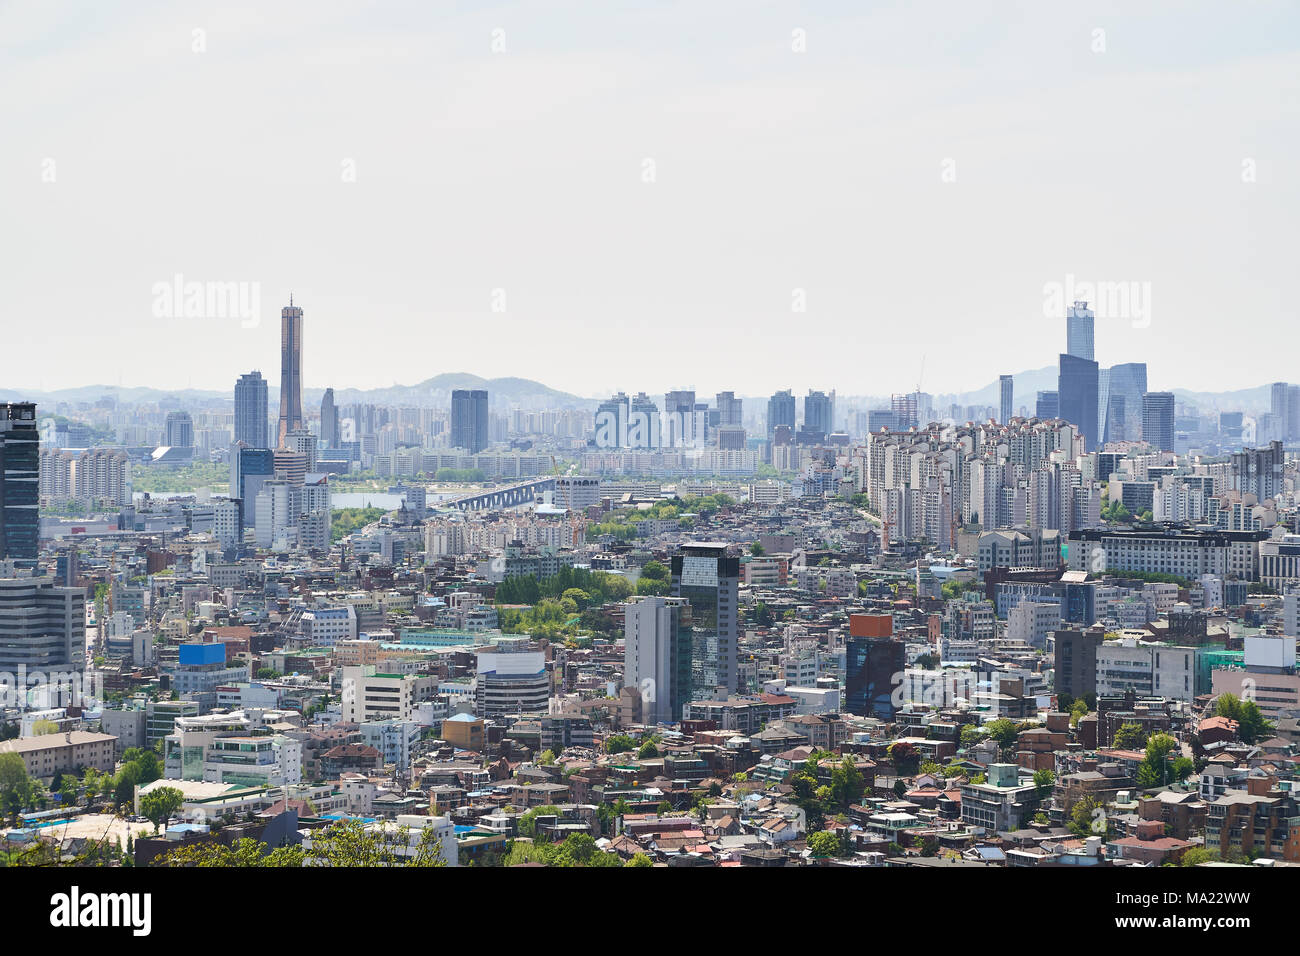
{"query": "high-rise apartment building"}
{"type": "Point", "coordinates": [20, 470]}
{"type": "Point", "coordinates": [469, 419]}
{"type": "Point", "coordinates": [291, 417]}
{"type": "Point", "coordinates": [252, 426]}
{"type": "Point", "coordinates": [704, 575]}
{"type": "Point", "coordinates": [1006, 384]}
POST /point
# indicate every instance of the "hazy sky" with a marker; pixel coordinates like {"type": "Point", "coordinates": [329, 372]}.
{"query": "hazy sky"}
{"type": "Point", "coordinates": [645, 187]}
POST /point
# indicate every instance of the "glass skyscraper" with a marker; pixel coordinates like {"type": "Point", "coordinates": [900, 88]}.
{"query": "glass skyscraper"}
{"type": "Point", "coordinates": [704, 575]}
{"type": "Point", "coordinates": [290, 372]}
{"type": "Point", "coordinates": [20, 457]}
{"type": "Point", "coordinates": [252, 426]}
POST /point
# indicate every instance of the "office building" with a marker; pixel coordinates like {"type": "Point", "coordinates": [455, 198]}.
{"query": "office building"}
{"type": "Point", "coordinates": [252, 426]}
{"type": "Point", "coordinates": [1120, 416]}
{"type": "Point", "coordinates": [1048, 405]}
{"type": "Point", "coordinates": [1079, 331]}
{"type": "Point", "coordinates": [469, 419]}
{"type": "Point", "coordinates": [42, 625]}
{"type": "Point", "coordinates": [179, 430]}
{"type": "Point", "coordinates": [780, 411]}
{"type": "Point", "coordinates": [1006, 389]}
{"type": "Point", "coordinates": [819, 413]}
{"type": "Point", "coordinates": [1075, 670]}
{"type": "Point", "coordinates": [1158, 420]}
{"type": "Point", "coordinates": [873, 666]}
{"type": "Point", "coordinates": [657, 656]}
{"type": "Point", "coordinates": [20, 471]}
{"type": "Point", "coordinates": [704, 575]}
{"type": "Point", "coordinates": [329, 420]}
{"type": "Point", "coordinates": [291, 418]}
{"type": "Point", "coordinates": [1077, 389]}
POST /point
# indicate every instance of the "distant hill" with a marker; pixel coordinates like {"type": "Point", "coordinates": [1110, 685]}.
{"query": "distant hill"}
{"type": "Point", "coordinates": [526, 393]}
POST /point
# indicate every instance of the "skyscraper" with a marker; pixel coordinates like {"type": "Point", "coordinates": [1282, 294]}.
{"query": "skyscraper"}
{"type": "Point", "coordinates": [1006, 387]}
{"type": "Point", "coordinates": [290, 371]}
{"type": "Point", "coordinates": [1079, 331]}
{"type": "Point", "coordinates": [252, 427]}
{"type": "Point", "coordinates": [1048, 405]}
{"type": "Point", "coordinates": [780, 411]}
{"type": "Point", "coordinates": [1158, 420]}
{"type": "Point", "coordinates": [679, 419]}
{"type": "Point", "coordinates": [469, 419]}
{"type": "Point", "coordinates": [1077, 391]}
{"type": "Point", "coordinates": [657, 656]}
{"type": "Point", "coordinates": [179, 430]}
{"type": "Point", "coordinates": [20, 463]}
{"type": "Point", "coordinates": [819, 413]}
{"type": "Point", "coordinates": [1122, 411]}
{"type": "Point", "coordinates": [1280, 408]}
{"type": "Point", "coordinates": [730, 410]}
{"type": "Point", "coordinates": [329, 420]}
{"type": "Point", "coordinates": [704, 575]}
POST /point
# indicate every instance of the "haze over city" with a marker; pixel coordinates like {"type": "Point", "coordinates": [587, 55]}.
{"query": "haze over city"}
{"type": "Point", "coordinates": [648, 186]}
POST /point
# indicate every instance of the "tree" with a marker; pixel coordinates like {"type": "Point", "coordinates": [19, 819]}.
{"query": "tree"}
{"type": "Point", "coordinates": [243, 853]}
{"type": "Point", "coordinates": [1043, 780]}
{"type": "Point", "coordinates": [1198, 855]}
{"type": "Point", "coordinates": [847, 785]}
{"type": "Point", "coordinates": [15, 785]}
{"type": "Point", "coordinates": [824, 844]}
{"type": "Point", "coordinates": [43, 727]}
{"type": "Point", "coordinates": [1156, 768]}
{"type": "Point", "coordinates": [972, 734]}
{"type": "Point", "coordinates": [1004, 731]}
{"type": "Point", "coordinates": [1129, 736]}
{"type": "Point", "coordinates": [648, 751]}
{"type": "Point", "coordinates": [528, 822]}
{"type": "Point", "coordinates": [1252, 725]}
{"type": "Point", "coordinates": [905, 756]}
{"type": "Point", "coordinates": [1088, 817]}
{"type": "Point", "coordinates": [619, 743]}
{"type": "Point", "coordinates": [640, 859]}
{"type": "Point", "coordinates": [546, 758]}
{"type": "Point", "coordinates": [350, 843]}
{"type": "Point", "coordinates": [158, 805]}
{"type": "Point", "coordinates": [756, 549]}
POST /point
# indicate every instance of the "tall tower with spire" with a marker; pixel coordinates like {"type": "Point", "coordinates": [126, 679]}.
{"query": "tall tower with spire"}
{"type": "Point", "coordinates": [291, 417]}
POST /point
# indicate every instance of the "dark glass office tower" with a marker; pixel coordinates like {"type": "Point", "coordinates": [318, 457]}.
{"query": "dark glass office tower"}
{"type": "Point", "coordinates": [469, 419]}
{"type": "Point", "coordinates": [1006, 393]}
{"type": "Point", "coordinates": [252, 427]}
{"type": "Point", "coordinates": [20, 457]}
{"type": "Point", "coordinates": [1048, 405]}
{"type": "Point", "coordinates": [329, 420]}
{"type": "Point", "coordinates": [872, 669]}
{"type": "Point", "coordinates": [780, 411]}
{"type": "Point", "coordinates": [290, 372]}
{"type": "Point", "coordinates": [1077, 394]}
{"type": "Point", "coordinates": [704, 575]}
{"type": "Point", "coordinates": [1158, 420]}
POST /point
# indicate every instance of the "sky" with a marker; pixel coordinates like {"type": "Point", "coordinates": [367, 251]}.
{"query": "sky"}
{"type": "Point", "coordinates": [718, 194]}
